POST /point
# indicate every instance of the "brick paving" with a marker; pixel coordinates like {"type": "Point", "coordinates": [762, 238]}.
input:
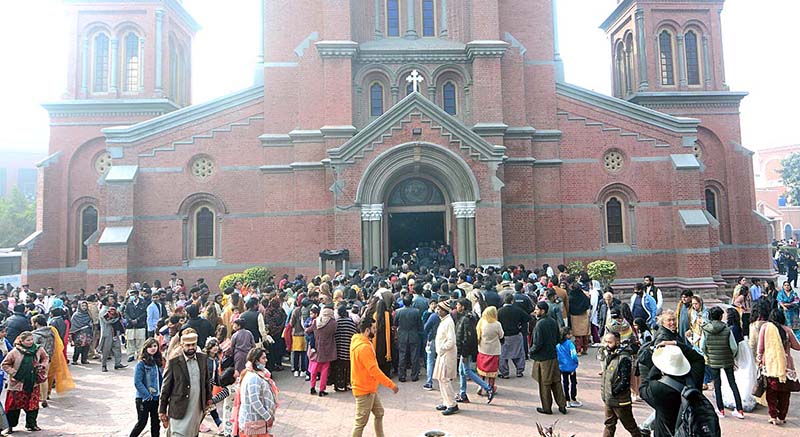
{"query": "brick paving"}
{"type": "Point", "coordinates": [102, 405]}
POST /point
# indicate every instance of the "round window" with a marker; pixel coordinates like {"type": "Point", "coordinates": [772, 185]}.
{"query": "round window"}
{"type": "Point", "coordinates": [202, 167]}
{"type": "Point", "coordinates": [613, 161]}
{"type": "Point", "coordinates": [102, 163]}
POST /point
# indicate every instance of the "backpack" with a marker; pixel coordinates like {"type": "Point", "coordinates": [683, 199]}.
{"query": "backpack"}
{"type": "Point", "coordinates": [696, 416]}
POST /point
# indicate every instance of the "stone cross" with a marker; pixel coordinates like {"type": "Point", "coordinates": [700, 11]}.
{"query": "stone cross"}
{"type": "Point", "coordinates": [415, 79]}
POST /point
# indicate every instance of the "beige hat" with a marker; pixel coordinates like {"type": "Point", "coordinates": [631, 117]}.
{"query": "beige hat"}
{"type": "Point", "coordinates": [189, 338]}
{"type": "Point", "coordinates": [670, 361]}
{"type": "Point", "coordinates": [444, 305]}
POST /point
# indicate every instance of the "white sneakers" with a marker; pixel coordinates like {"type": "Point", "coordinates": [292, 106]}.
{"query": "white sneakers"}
{"type": "Point", "coordinates": [296, 373]}
{"type": "Point", "coordinates": [574, 404]}
{"type": "Point", "coordinates": [737, 414]}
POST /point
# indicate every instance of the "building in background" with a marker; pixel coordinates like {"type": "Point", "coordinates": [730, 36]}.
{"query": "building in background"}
{"type": "Point", "coordinates": [771, 193]}
{"type": "Point", "coordinates": [384, 125]}
{"type": "Point", "coordinates": [18, 169]}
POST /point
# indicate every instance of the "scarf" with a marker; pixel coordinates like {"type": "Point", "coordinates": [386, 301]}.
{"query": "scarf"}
{"type": "Point", "coordinates": [774, 354]}
{"type": "Point", "coordinates": [80, 320]}
{"type": "Point", "coordinates": [325, 316]}
{"type": "Point", "coordinates": [26, 374]}
{"type": "Point", "coordinates": [387, 333]}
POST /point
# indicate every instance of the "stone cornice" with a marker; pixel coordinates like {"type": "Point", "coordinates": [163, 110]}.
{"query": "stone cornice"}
{"type": "Point", "coordinates": [412, 56]}
{"type": "Point", "coordinates": [689, 99]}
{"type": "Point", "coordinates": [486, 49]}
{"type": "Point", "coordinates": [148, 128]}
{"type": "Point", "coordinates": [490, 129]}
{"type": "Point", "coordinates": [175, 5]}
{"type": "Point", "coordinates": [109, 108]}
{"type": "Point", "coordinates": [337, 49]}
{"type": "Point", "coordinates": [621, 8]}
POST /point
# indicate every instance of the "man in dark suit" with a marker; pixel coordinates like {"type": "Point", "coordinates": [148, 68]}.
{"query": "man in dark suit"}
{"type": "Point", "coordinates": [186, 390]}
{"type": "Point", "coordinates": [409, 325]}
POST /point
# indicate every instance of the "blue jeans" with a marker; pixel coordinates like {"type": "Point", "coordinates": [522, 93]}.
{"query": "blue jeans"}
{"type": "Point", "coordinates": [431, 361]}
{"type": "Point", "coordinates": [465, 370]}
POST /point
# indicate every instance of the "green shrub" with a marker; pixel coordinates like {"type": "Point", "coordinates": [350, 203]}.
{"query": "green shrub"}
{"type": "Point", "coordinates": [602, 270]}
{"type": "Point", "coordinates": [229, 280]}
{"type": "Point", "coordinates": [575, 267]}
{"type": "Point", "coordinates": [259, 274]}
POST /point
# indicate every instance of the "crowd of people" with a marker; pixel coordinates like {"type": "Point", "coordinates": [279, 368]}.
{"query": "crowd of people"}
{"type": "Point", "coordinates": [199, 352]}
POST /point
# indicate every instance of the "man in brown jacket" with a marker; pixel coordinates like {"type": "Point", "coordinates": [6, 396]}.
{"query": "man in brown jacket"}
{"type": "Point", "coordinates": [186, 391]}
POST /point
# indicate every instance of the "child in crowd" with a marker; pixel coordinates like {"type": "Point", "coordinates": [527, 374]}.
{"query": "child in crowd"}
{"type": "Point", "coordinates": [568, 365]}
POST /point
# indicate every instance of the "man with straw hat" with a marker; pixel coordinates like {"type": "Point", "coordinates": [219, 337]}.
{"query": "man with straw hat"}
{"type": "Point", "coordinates": [186, 390]}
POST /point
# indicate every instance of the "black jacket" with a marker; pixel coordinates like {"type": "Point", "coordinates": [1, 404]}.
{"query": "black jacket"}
{"type": "Point", "coordinates": [409, 325]}
{"type": "Point", "coordinates": [513, 319]}
{"type": "Point", "coordinates": [16, 325]}
{"type": "Point", "coordinates": [249, 321]}
{"type": "Point", "coordinates": [602, 310]}
{"type": "Point", "coordinates": [545, 339]}
{"type": "Point", "coordinates": [136, 314]}
{"type": "Point", "coordinates": [664, 400]}
{"type": "Point", "coordinates": [467, 335]}
{"type": "Point", "coordinates": [492, 298]}
{"type": "Point", "coordinates": [204, 330]}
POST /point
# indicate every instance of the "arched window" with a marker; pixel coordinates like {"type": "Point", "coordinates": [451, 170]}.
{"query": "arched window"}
{"type": "Point", "coordinates": [629, 64]}
{"type": "Point", "coordinates": [614, 228]}
{"type": "Point", "coordinates": [692, 59]}
{"type": "Point", "coordinates": [203, 233]}
{"type": "Point", "coordinates": [100, 56]}
{"type": "Point", "coordinates": [375, 100]}
{"type": "Point", "coordinates": [619, 59]}
{"type": "Point", "coordinates": [711, 203]}
{"type": "Point", "coordinates": [449, 98]}
{"type": "Point", "coordinates": [409, 88]}
{"type": "Point", "coordinates": [87, 228]}
{"type": "Point", "coordinates": [665, 49]}
{"type": "Point", "coordinates": [392, 17]}
{"type": "Point", "coordinates": [131, 67]}
{"type": "Point", "coordinates": [428, 21]}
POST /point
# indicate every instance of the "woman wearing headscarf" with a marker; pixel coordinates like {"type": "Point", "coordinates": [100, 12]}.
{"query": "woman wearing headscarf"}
{"type": "Point", "coordinates": [775, 341]}
{"type": "Point", "coordinates": [384, 337]}
{"type": "Point", "coordinates": [81, 333]}
{"type": "Point", "coordinates": [25, 364]}
{"type": "Point", "coordinates": [275, 319]}
{"type": "Point", "coordinates": [789, 303]}
{"type": "Point", "coordinates": [323, 329]}
{"type": "Point", "coordinates": [257, 398]}
{"type": "Point", "coordinates": [490, 334]}
{"type": "Point", "coordinates": [579, 306]}
{"type": "Point", "coordinates": [299, 357]}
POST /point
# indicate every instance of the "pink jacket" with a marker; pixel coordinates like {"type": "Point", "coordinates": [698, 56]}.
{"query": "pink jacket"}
{"type": "Point", "coordinates": [12, 362]}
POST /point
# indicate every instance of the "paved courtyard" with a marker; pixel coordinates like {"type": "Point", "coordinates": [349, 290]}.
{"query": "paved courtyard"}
{"type": "Point", "coordinates": [102, 405]}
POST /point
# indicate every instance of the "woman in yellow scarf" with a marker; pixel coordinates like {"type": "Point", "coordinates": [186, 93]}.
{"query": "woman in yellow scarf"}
{"type": "Point", "coordinates": [775, 341]}
{"type": "Point", "coordinates": [59, 370]}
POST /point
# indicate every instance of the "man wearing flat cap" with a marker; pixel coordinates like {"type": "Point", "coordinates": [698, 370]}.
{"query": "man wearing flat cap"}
{"type": "Point", "coordinates": [186, 391]}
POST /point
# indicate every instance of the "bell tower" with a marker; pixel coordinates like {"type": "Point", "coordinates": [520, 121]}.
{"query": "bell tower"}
{"type": "Point", "coordinates": [665, 48]}
{"type": "Point", "coordinates": [130, 50]}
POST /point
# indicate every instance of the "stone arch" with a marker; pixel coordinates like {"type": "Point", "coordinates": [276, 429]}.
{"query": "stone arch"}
{"type": "Point", "coordinates": [186, 211]}
{"type": "Point", "coordinates": [370, 69]}
{"type": "Point", "coordinates": [193, 199]}
{"type": "Point", "coordinates": [444, 166]}
{"type": "Point", "coordinates": [628, 199]}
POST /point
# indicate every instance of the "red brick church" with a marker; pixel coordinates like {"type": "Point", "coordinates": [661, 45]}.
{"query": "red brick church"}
{"type": "Point", "coordinates": [381, 125]}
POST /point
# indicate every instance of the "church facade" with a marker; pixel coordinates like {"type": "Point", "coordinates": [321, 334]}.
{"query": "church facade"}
{"type": "Point", "coordinates": [379, 126]}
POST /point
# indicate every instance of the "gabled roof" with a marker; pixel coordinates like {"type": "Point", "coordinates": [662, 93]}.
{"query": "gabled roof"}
{"type": "Point", "coordinates": [416, 103]}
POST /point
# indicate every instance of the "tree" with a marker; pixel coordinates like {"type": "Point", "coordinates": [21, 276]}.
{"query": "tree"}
{"type": "Point", "coordinates": [790, 176]}
{"type": "Point", "coordinates": [17, 218]}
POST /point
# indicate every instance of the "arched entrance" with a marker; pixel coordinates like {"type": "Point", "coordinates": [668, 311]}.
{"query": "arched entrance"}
{"type": "Point", "coordinates": [417, 219]}
{"type": "Point", "coordinates": [406, 192]}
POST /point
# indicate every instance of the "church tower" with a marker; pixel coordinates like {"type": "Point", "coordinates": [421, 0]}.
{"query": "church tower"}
{"type": "Point", "coordinates": [668, 56]}
{"type": "Point", "coordinates": [131, 51]}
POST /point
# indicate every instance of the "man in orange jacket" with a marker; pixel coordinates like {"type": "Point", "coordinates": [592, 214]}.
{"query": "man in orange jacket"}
{"type": "Point", "coordinates": [365, 376]}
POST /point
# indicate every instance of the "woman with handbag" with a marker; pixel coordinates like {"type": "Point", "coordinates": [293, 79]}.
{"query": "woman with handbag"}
{"type": "Point", "coordinates": [26, 366]}
{"type": "Point", "coordinates": [257, 397]}
{"type": "Point", "coordinates": [775, 341]}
